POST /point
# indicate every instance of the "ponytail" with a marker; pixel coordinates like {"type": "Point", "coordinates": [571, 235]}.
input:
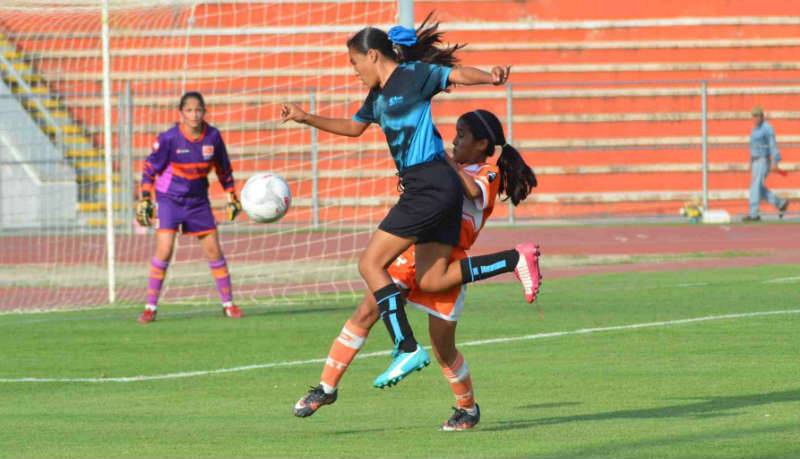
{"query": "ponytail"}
{"type": "Point", "coordinates": [402, 44]}
{"type": "Point", "coordinates": [516, 177]}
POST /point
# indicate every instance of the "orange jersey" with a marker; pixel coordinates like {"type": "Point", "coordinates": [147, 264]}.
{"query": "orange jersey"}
{"type": "Point", "coordinates": [476, 212]}
{"type": "Point", "coordinates": [448, 305]}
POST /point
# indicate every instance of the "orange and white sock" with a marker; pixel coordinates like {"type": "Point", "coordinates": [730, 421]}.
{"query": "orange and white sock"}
{"type": "Point", "coordinates": [343, 350]}
{"type": "Point", "coordinates": [460, 381]}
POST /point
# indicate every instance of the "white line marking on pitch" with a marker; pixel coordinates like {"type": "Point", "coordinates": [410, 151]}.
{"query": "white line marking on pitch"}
{"type": "Point", "coordinates": [694, 284]}
{"type": "Point", "coordinates": [484, 342]}
{"type": "Point", "coordinates": [783, 280]}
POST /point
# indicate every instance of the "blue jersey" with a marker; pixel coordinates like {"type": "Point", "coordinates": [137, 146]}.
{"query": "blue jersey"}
{"type": "Point", "coordinates": [403, 110]}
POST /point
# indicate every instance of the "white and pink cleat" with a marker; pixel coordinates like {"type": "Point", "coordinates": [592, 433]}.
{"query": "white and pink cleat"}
{"type": "Point", "coordinates": [527, 270]}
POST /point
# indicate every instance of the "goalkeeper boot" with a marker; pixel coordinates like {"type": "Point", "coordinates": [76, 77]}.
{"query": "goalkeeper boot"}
{"type": "Point", "coordinates": [527, 270]}
{"type": "Point", "coordinates": [403, 364]}
{"type": "Point", "coordinates": [149, 315]}
{"type": "Point", "coordinates": [462, 420]}
{"type": "Point", "coordinates": [232, 312]}
{"type": "Point", "coordinates": [313, 400]}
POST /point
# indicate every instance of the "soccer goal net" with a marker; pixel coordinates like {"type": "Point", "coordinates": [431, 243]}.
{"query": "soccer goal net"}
{"type": "Point", "coordinates": [246, 58]}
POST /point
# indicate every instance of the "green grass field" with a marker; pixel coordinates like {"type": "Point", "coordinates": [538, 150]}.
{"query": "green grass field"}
{"type": "Point", "coordinates": [721, 387]}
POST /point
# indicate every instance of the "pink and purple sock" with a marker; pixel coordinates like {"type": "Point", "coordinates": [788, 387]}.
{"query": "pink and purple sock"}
{"type": "Point", "coordinates": [158, 271]}
{"type": "Point", "coordinates": [219, 269]}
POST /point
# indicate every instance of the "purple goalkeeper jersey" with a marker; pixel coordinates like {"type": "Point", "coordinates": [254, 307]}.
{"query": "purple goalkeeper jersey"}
{"type": "Point", "coordinates": [178, 167]}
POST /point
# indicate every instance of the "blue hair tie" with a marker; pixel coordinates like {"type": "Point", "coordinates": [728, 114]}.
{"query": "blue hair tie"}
{"type": "Point", "coordinates": [403, 36]}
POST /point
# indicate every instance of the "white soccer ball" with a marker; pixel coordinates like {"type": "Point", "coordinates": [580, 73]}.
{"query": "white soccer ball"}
{"type": "Point", "coordinates": [266, 197]}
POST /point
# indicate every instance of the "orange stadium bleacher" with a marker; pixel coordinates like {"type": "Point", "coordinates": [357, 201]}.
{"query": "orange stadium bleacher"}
{"type": "Point", "coordinates": [606, 101]}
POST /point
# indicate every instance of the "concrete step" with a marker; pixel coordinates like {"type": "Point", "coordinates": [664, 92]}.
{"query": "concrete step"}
{"type": "Point", "coordinates": [84, 153]}
{"type": "Point", "coordinates": [86, 207]}
{"type": "Point", "coordinates": [68, 129]}
{"type": "Point", "coordinates": [95, 178]}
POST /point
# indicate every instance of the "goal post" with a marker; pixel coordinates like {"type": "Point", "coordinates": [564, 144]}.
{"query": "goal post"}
{"type": "Point", "coordinates": [246, 58]}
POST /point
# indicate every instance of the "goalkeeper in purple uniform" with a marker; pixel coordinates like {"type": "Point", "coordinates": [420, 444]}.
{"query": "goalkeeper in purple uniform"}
{"type": "Point", "coordinates": [177, 170]}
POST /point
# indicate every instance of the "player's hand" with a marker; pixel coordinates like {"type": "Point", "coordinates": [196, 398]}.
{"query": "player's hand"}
{"type": "Point", "coordinates": [500, 74]}
{"type": "Point", "coordinates": [292, 112]}
{"type": "Point", "coordinates": [234, 207]}
{"type": "Point", "coordinates": [448, 156]}
{"type": "Point", "coordinates": [144, 212]}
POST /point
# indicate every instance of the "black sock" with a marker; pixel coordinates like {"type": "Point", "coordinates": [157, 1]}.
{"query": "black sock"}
{"type": "Point", "coordinates": [391, 305]}
{"type": "Point", "coordinates": [486, 266]}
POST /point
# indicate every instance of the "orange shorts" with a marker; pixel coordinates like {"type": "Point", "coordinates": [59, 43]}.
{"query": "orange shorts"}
{"type": "Point", "coordinates": [445, 305]}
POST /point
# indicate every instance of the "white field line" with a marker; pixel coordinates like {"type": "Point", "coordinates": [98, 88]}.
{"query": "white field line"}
{"type": "Point", "coordinates": [783, 280]}
{"type": "Point", "coordinates": [484, 342]}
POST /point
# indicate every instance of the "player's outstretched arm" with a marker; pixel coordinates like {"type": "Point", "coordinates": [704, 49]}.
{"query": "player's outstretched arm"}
{"type": "Point", "coordinates": [339, 126]}
{"type": "Point", "coordinates": [472, 76]}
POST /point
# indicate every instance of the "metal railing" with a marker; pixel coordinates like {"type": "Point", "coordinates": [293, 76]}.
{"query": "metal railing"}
{"type": "Point", "coordinates": [535, 115]}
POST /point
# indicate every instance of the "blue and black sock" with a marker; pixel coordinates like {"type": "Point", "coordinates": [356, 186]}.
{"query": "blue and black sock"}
{"type": "Point", "coordinates": [486, 266]}
{"type": "Point", "coordinates": [391, 305]}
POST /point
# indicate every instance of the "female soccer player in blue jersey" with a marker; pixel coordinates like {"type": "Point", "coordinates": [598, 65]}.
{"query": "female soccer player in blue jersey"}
{"type": "Point", "coordinates": [178, 168]}
{"type": "Point", "coordinates": [404, 69]}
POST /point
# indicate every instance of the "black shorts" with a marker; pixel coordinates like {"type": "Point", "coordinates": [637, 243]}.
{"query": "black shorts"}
{"type": "Point", "coordinates": [430, 207]}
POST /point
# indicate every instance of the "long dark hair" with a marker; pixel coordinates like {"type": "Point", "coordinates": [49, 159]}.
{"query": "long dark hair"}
{"type": "Point", "coordinates": [192, 95]}
{"type": "Point", "coordinates": [516, 177]}
{"type": "Point", "coordinates": [425, 49]}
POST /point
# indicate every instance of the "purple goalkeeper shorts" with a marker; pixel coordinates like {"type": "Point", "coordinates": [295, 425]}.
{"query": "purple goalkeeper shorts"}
{"type": "Point", "coordinates": [192, 215]}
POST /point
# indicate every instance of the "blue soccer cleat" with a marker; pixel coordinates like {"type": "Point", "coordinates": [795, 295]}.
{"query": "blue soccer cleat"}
{"type": "Point", "coordinates": [403, 363]}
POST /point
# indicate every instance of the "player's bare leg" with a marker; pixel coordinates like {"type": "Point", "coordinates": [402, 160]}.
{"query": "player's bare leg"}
{"type": "Point", "coordinates": [466, 413]}
{"type": "Point", "coordinates": [408, 356]}
{"type": "Point", "coordinates": [435, 273]}
{"type": "Point", "coordinates": [343, 350]}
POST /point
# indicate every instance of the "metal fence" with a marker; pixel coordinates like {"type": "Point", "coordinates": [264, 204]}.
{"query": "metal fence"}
{"type": "Point", "coordinates": [596, 146]}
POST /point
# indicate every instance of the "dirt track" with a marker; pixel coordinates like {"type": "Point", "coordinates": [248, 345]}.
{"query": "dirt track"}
{"type": "Point", "coordinates": [764, 244]}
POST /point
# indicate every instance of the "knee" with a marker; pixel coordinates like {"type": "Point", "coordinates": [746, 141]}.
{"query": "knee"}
{"type": "Point", "coordinates": [164, 253]}
{"type": "Point", "coordinates": [430, 284]}
{"type": "Point", "coordinates": [214, 254]}
{"type": "Point", "coordinates": [365, 317]}
{"type": "Point", "coordinates": [445, 354]}
{"type": "Point", "coordinates": [366, 314]}
{"type": "Point", "coordinates": [367, 264]}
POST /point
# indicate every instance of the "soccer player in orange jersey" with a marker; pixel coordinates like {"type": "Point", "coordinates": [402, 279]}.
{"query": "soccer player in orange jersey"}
{"type": "Point", "coordinates": [177, 170]}
{"type": "Point", "coordinates": [478, 133]}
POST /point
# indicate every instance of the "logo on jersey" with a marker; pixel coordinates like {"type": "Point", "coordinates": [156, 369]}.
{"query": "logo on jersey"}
{"type": "Point", "coordinates": [491, 176]}
{"type": "Point", "coordinates": [395, 100]}
{"type": "Point", "coordinates": [208, 152]}
{"type": "Point", "coordinates": [182, 151]}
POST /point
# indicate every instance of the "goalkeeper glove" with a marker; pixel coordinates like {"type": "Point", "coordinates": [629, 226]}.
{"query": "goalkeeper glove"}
{"type": "Point", "coordinates": [234, 206]}
{"type": "Point", "coordinates": [144, 210]}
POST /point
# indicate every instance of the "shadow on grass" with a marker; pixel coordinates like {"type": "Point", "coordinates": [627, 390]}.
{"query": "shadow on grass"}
{"type": "Point", "coordinates": [703, 408]}
{"type": "Point", "coordinates": [690, 445]}
{"type": "Point", "coordinates": [538, 406]}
